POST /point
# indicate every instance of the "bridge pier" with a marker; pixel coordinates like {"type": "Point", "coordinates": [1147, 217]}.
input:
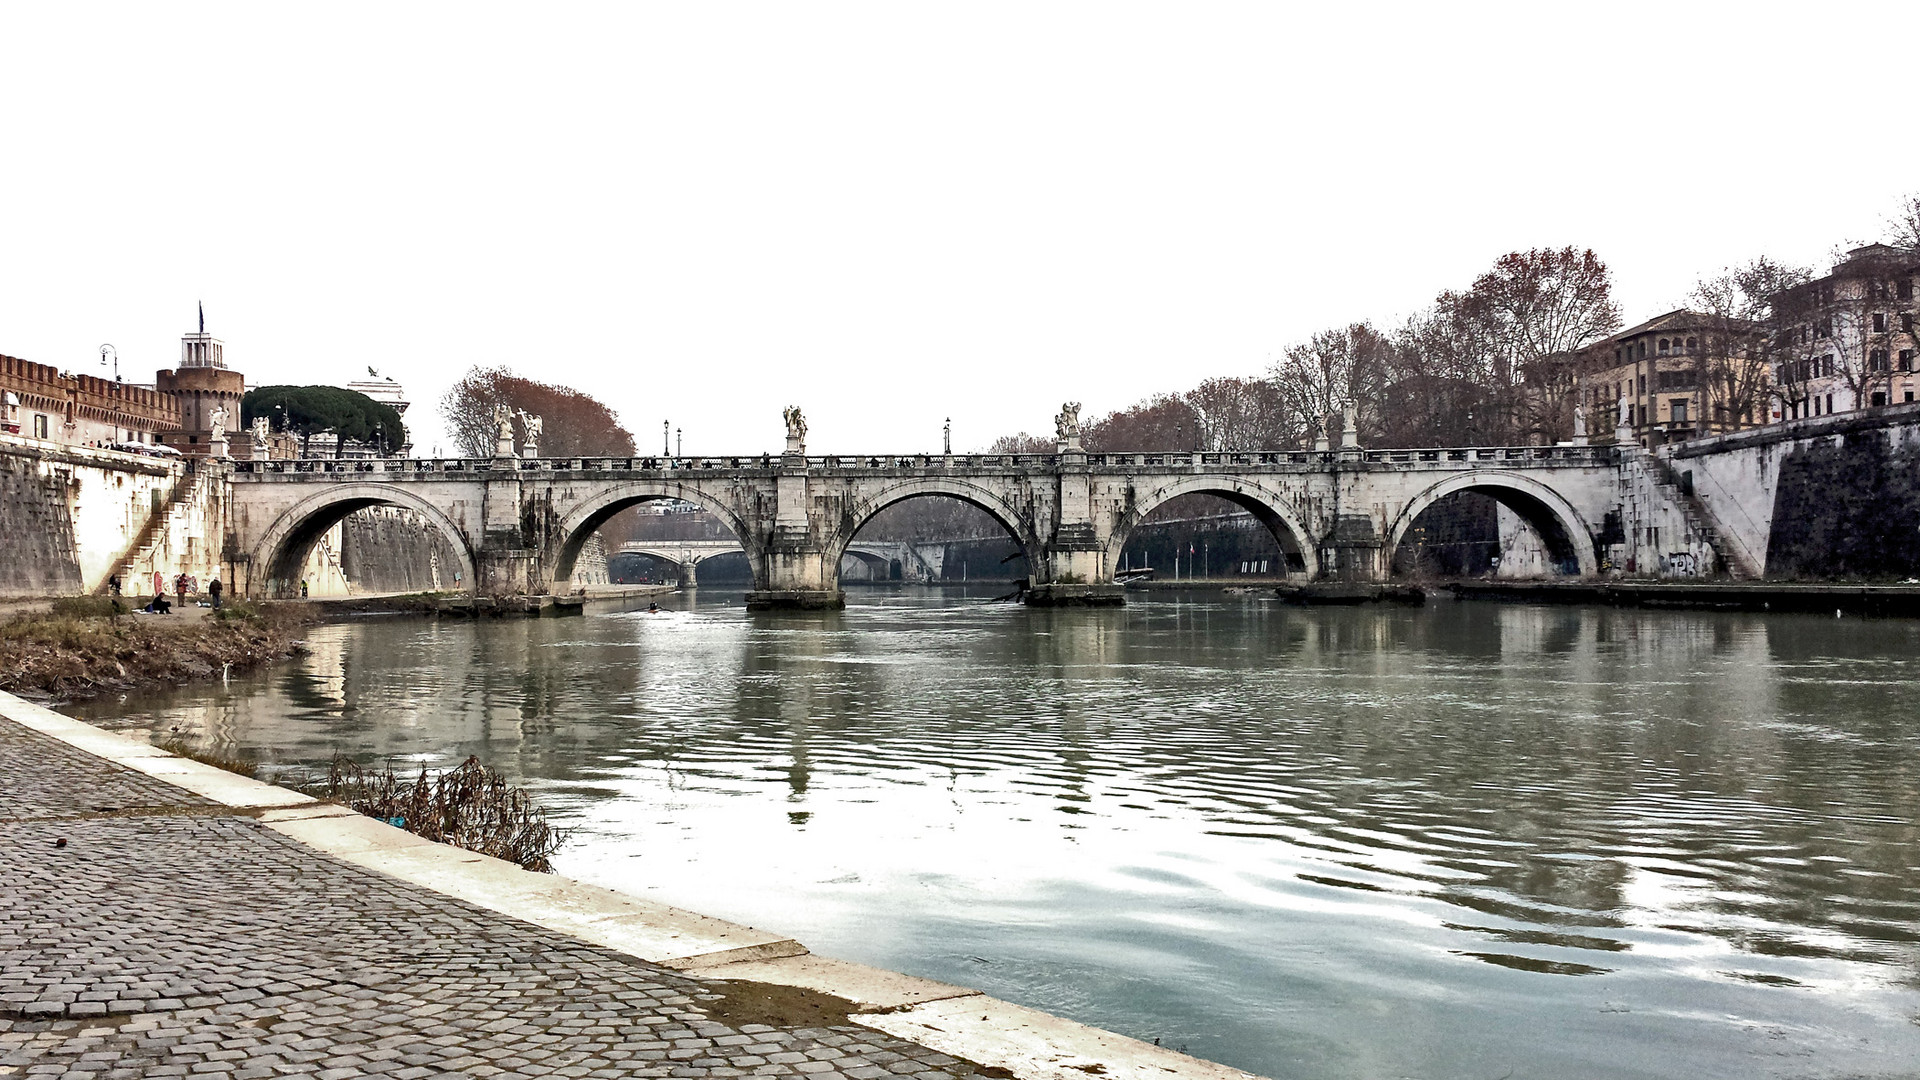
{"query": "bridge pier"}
{"type": "Point", "coordinates": [798, 575]}
{"type": "Point", "coordinates": [690, 574]}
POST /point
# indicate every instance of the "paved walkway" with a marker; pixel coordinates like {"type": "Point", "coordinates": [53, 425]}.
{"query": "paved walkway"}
{"type": "Point", "coordinates": [173, 936]}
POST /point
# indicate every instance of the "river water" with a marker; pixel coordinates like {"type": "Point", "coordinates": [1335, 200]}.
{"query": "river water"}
{"type": "Point", "coordinates": [1469, 840]}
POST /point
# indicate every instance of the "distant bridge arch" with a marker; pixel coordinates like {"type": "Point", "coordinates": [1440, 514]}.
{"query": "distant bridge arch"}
{"type": "Point", "coordinates": [1019, 527]}
{"type": "Point", "coordinates": [583, 520]}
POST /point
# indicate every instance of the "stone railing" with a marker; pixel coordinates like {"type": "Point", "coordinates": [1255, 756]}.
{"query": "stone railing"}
{"type": "Point", "coordinates": [1443, 457]}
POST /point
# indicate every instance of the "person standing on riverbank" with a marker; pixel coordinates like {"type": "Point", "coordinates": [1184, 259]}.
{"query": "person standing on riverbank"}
{"type": "Point", "coordinates": [213, 591]}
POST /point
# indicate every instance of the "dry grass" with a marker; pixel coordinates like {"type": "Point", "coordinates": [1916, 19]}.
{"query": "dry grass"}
{"type": "Point", "coordinates": [471, 807]}
{"type": "Point", "coordinates": [68, 654]}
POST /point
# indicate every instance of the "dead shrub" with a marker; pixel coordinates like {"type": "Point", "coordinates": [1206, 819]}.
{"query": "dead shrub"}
{"type": "Point", "coordinates": [470, 806]}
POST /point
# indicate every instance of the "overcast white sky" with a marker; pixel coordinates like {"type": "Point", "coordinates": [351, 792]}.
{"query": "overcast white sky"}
{"type": "Point", "coordinates": [893, 213]}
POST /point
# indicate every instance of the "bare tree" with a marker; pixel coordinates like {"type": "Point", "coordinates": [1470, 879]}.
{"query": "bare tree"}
{"type": "Point", "coordinates": [1903, 228]}
{"type": "Point", "coordinates": [1743, 360]}
{"type": "Point", "coordinates": [1022, 443]}
{"type": "Point", "coordinates": [1161, 422]}
{"type": "Point", "coordinates": [1241, 414]}
{"type": "Point", "coordinates": [576, 425]}
{"type": "Point", "coordinates": [1320, 379]}
{"type": "Point", "coordinates": [1536, 308]}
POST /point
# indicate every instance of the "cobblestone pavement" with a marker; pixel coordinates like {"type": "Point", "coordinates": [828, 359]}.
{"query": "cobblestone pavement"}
{"type": "Point", "coordinates": [174, 937]}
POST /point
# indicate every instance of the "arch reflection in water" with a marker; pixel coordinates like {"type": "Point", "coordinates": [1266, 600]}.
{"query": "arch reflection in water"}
{"type": "Point", "coordinates": [1562, 841]}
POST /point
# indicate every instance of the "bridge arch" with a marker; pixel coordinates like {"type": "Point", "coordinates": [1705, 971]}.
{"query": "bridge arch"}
{"type": "Point", "coordinates": [284, 547]}
{"type": "Point", "coordinates": [1019, 526]}
{"type": "Point", "coordinates": [1269, 507]}
{"type": "Point", "coordinates": [880, 567]}
{"type": "Point", "coordinates": [1566, 533]}
{"type": "Point", "coordinates": [580, 522]}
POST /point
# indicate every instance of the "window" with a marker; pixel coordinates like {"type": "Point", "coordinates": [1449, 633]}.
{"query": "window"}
{"type": "Point", "coordinates": [1829, 402]}
{"type": "Point", "coordinates": [1906, 323]}
{"type": "Point", "coordinates": [1876, 360]}
{"type": "Point", "coordinates": [1879, 322]}
{"type": "Point", "coordinates": [1678, 406]}
{"type": "Point", "coordinates": [1643, 350]}
{"type": "Point", "coordinates": [1663, 346]}
{"type": "Point", "coordinates": [1643, 382]}
{"type": "Point", "coordinates": [39, 425]}
{"type": "Point", "coordinates": [1693, 344]}
{"type": "Point", "coordinates": [1826, 365]}
{"type": "Point", "coordinates": [1906, 359]}
{"type": "Point", "coordinates": [1904, 289]}
{"type": "Point", "coordinates": [1879, 398]}
{"type": "Point", "coordinates": [1824, 329]}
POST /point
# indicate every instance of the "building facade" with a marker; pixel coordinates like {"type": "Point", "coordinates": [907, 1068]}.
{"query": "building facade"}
{"type": "Point", "coordinates": [1848, 341]}
{"type": "Point", "coordinates": [38, 401]}
{"type": "Point", "coordinates": [1681, 375]}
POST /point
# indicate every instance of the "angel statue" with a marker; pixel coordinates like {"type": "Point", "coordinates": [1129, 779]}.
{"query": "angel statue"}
{"type": "Point", "coordinates": [218, 424]}
{"type": "Point", "coordinates": [1067, 424]}
{"type": "Point", "coordinates": [533, 425]}
{"type": "Point", "coordinates": [796, 424]}
{"type": "Point", "coordinates": [503, 422]}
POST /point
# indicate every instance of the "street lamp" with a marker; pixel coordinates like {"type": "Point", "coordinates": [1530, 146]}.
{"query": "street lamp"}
{"type": "Point", "coordinates": [104, 351]}
{"type": "Point", "coordinates": [676, 442]}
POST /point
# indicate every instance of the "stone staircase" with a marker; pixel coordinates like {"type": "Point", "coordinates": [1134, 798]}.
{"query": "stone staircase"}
{"type": "Point", "coordinates": [150, 536]}
{"type": "Point", "coordinates": [1699, 519]}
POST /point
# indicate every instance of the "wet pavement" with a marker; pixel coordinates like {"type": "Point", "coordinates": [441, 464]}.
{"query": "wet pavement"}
{"type": "Point", "coordinates": [145, 931]}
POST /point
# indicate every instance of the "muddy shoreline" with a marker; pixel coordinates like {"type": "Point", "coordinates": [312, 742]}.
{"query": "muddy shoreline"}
{"type": "Point", "coordinates": [68, 653]}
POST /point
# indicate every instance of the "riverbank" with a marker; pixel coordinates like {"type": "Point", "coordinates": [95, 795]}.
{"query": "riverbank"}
{"type": "Point", "coordinates": [173, 916]}
{"type": "Point", "coordinates": [71, 651]}
{"type": "Point", "coordinates": [1901, 601]}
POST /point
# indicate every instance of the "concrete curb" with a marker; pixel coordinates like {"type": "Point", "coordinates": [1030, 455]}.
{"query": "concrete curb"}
{"type": "Point", "coordinates": [954, 1020]}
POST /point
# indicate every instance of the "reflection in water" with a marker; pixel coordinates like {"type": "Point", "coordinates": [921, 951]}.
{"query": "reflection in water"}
{"type": "Point", "coordinates": [1454, 841]}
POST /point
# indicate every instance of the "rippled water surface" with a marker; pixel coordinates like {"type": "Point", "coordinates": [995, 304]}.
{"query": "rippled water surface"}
{"type": "Point", "coordinates": [1464, 841]}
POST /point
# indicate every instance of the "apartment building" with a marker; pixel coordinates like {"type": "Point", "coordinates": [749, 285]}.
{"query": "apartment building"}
{"type": "Point", "coordinates": [1681, 375]}
{"type": "Point", "coordinates": [1847, 341]}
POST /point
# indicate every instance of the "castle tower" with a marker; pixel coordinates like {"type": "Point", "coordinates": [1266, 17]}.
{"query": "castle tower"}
{"type": "Point", "coordinates": [200, 385]}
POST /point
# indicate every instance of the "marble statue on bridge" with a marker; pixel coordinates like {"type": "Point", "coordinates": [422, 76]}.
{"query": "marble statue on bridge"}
{"type": "Point", "coordinates": [533, 426]}
{"type": "Point", "coordinates": [796, 430]}
{"type": "Point", "coordinates": [502, 431]}
{"type": "Point", "coordinates": [1066, 427]}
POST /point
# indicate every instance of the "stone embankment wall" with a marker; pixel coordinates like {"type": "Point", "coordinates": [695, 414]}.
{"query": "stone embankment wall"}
{"type": "Point", "coordinates": [389, 549]}
{"type": "Point", "coordinates": [1833, 496]}
{"type": "Point", "coordinates": [72, 516]}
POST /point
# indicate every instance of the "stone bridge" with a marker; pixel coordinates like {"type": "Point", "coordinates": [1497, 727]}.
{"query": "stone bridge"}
{"type": "Point", "coordinates": [518, 524]}
{"type": "Point", "coordinates": [884, 560]}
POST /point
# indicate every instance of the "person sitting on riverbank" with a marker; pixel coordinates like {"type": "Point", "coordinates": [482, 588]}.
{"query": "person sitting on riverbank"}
{"type": "Point", "coordinates": [159, 605]}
